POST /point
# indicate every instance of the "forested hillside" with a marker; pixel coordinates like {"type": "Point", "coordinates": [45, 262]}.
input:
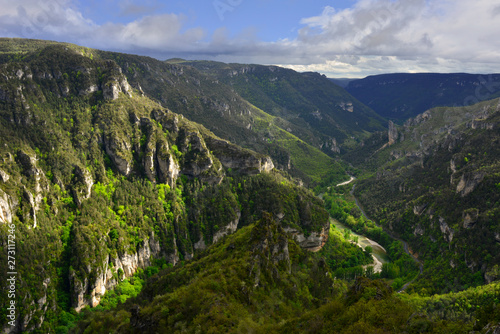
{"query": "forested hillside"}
{"type": "Point", "coordinates": [139, 195]}
{"type": "Point", "coordinates": [100, 182]}
{"type": "Point", "coordinates": [438, 187]}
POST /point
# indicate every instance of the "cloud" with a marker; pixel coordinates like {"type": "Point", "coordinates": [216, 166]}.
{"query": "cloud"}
{"type": "Point", "coordinates": [378, 36]}
{"type": "Point", "coordinates": [415, 35]}
{"type": "Point", "coordinates": [41, 19]}
{"type": "Point", "coordinates": [156, 32]}
{"type": "Point", "coordinates": [373, 36]}
{"type": "Point", "coordinates": [129, 8]}
{"type": "Point", "coordinates": [58, 20]}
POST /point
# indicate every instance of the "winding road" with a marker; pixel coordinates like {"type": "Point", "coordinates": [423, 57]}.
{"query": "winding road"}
{"type": "Point", "coordinates": [405, 244]}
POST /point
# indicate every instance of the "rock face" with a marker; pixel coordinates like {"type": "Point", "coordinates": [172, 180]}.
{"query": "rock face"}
{"type": "Point", "coordinates": [492, 274]}
{"type": "Point", "coordinates": [228, 229]}
{"type": "Point", "coordinates": [468, 182]}
{"type": "Point", "coordinates": [112, 89]}
{"type": "Point", "coordinates": [446, 230]}
{"type": "Point", "coordinates": [4, 177]}
{"type": "Point", "coordinates": [200, 245]}
{"type": "Point", "coordinates": [6, 208]}
{"type": "Point", "coordinates": [87, 292]}
{"type": "Point", "coordinates": [393, 133]}
{"type": "Point", "coordinates": [470, 217]}
{"type": "Point", "coordinates": [419, 209]}
{"type": "Point", "coordinates": [168, 168]}
{"type": "Point", "coordinates": [35, 175]}
{"type": "Point", "coordinates": [313, 243]}
{"type": "Point", "coordinates": [82, 187]}
{"type": "Point", "coordinates": [119, 150]}
{"type": "Point", "coordinates": [241, 160]}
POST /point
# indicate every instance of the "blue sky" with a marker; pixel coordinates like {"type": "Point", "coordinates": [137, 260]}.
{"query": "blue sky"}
{"type": "Point", "coordinates": [345, 38]}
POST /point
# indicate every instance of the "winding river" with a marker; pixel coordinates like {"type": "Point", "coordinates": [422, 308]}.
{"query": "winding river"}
{"type": "Point", "coordinates": [379, 253]}
{"type": "Point", "coordinates": [405, 244]}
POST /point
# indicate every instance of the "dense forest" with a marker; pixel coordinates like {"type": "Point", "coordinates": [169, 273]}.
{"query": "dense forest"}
{"type": "Point", "coordinates": [145, 196]}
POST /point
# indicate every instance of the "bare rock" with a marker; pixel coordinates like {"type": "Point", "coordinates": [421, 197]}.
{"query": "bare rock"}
{"type": "Point", "coordinates": [446, 230]}
{"type": "Point", "coordinates": [168, 168]}
{"type": "Point", "coordinates": [82, 186]}
{"type": "Point", "coordinates": [200, 245]}
{"type": "Point", "coordinates": [4, 177]}
{"type": "Point", "coordinates": [119, 151]}
{"type": "Point", "coordinates": [470, 217]}
{"type": "Point", "coordinates": [228, 229]}
{"type": "Point", "coordinates": [88, 292]}
{"type": "Point", "coordinates": [393, 133]}
{"type": "Point", "coordinates": [492, 274]}
{"type": "Point", "coordinates": [419, 209]}
{"type": "Point", "coordinates": [313, 243]}
{"type": "Point", "coordinates": [239, 159]}
{"type": "Point", "coordinates": [6, 208]}
{"type": "Point", "coordinates": [468, 182]}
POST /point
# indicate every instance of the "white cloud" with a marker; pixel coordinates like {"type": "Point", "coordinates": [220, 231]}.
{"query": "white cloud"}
{"type": "Point", "coordinates": [373, 36]}
{"type": "Point", "coordinates": [431, 35]}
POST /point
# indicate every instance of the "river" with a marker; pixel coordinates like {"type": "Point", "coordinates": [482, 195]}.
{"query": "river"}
{"type": "Point", "coordinates": [405, 244]}
{"type": "Point", "coordinates": [379, 253]}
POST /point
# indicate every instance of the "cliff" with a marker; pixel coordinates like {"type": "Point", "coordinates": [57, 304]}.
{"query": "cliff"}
{"type": "Point", "coordinates": [102, 182]}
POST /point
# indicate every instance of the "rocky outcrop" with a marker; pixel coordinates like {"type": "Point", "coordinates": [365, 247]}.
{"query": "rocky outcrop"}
{"type": "Point", "coordinates": [7, 208]}
{"type": "Point", "coordinates": [4, 177]}
{"type": "Point", "coordinates": [334, 147]}
{"type": "Point", "coordinates": [35, 175]}
{"type": "Point", "coordinates": [119, 150]}
{"type": "Point", "coordinates": [393, 133]}
{"type": "Point", "coordinates": [446, 230]}
{"type": "Point", "coordinates": [493, 274]}
{"type": "Point", "coordinates": [313, 243]}
{"type": "Point", "coordinates": [92, 88]}
{"type": "Point", "coordinates": [89, 293]}
{"type": "Point", "coordinates": [116, 85]}
{"type": "Point", "coordinates": [418, 119]}
{"type": "Point", "coordinates": [468, 182]}
{"type": "Point", "coordinates": [82, 185]}
{"type": "Point", "coordinates": [228, 229]}
{"type": "Point", "coordinates": [347, 106]}
{"type": "Point", "coordinates": [200, 245]}
{"type": "Point", "coordinates": [239, 159]}
{"type": "Point", "coordinates": [269, 247]}
{"type": "Point", "coordinates": [470, 217]}
{"type": "Point", "coordinates": [197, 160]}
{"type": "Point", "coordinates": [168, 168]}
{"type": "Point", "coordinates": [418, 210]}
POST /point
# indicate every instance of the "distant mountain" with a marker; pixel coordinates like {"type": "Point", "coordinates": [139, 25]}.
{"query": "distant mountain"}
{"type": "Point", "coordinates": [403, 95]}
{"type": "Point", "coordinates": [342, 82]}
{"type": "Point", "coordinates": [321, 112]}
{"type": "Point", "coordinates": [293, 146]}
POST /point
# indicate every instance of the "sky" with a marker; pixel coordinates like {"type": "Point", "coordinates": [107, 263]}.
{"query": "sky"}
{"type": "Point", "coordinates": [341, 38]}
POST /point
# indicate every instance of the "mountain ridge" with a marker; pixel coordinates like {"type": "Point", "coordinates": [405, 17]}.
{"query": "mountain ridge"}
{"type": "Point", "coordinates": [399, 96]}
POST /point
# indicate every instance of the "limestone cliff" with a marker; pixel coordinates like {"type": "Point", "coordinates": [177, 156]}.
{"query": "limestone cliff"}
{"type": "Point", "coordinates": [238, 159]}
{"type": "Point", "coordinates": [88, 290]}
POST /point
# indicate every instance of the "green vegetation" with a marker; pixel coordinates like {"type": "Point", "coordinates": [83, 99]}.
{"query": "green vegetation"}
{"type": "Point", "coordinates": [238, 285]}
{"type": "Point", "coordinates": [440, 195]}
{"type": "Point", "coordinates": [130, 217]}
{"type": "Point", "coordinates": [89, 208]}
{"type": "Point", "coordinates": [341, 206]}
